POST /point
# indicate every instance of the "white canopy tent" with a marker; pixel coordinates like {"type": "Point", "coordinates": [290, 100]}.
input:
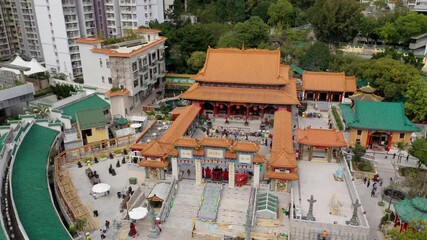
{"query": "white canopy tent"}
{"type": "Point", "coordinates": [33, 65]}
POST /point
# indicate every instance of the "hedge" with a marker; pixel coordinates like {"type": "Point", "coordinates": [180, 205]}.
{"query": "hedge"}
{"type": "Point", "coordinates": [337, 118]}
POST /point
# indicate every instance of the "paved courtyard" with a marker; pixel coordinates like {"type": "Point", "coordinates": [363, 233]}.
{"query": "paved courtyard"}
{"type": "Point", "coordinates": [317, 179]}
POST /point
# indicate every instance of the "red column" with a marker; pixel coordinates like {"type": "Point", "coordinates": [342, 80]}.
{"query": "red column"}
{"type": "Point", "coordinates": [216, 109]}
{"type": "Point", "coordinates": [229, 110]}
{"type": "Point", "coordinates": [341, 97]}
{"type": "Point", "coordinates": [262, 113]}
{"type": "Point", "coordinates": [305, 95]}
{"type": "Point", "coordinates": [396, 217]}
{"type": "Point", "coordinates": [368, 139]}
{"type": "Point", "coordinates": [248, 111]}
{"type": "Point", "coordinates": [389, 142]}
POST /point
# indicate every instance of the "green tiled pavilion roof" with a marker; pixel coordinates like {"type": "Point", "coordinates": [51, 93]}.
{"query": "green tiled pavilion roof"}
{"type": "Point", "coordinates": [388, 116]}
{"type": "Point", "coordinates": [91, 119]}
{"type": "Point", "coordinates": [297, 69]}
{"type": "Point", "coordinates": [92, 102]}
{"type": "Point", "coordinates": [412, 209]}
{"type": "Point", "coordinates": [30, 189]}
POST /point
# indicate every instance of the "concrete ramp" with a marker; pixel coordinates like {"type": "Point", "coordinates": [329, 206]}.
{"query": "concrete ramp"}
{"type": "Point", "coordinates": [208, 209]}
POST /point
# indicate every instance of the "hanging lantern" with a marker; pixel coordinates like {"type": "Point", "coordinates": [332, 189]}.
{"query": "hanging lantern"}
{"type": "Point", "coordinates": [255, 108]}
{"type": "Point", "coordinates": [238, 106]}
{"type": "Point", "coordinates": [221, 106]}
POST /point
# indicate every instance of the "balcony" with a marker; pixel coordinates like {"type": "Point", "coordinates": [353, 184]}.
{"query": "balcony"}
{"type": "Point", "coordinates": [143, 70]}
{"type": "Point", "coordinates": [153, 63]}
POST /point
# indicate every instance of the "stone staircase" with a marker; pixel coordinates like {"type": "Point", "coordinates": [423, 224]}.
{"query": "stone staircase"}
{"type": "Point", "coordinates": [234, 205]}
{"type": "Point", "coordinates": [186, 202]}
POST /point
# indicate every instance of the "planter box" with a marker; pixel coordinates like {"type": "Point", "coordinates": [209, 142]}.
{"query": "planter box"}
{"type": "Point", "coordinates": [360, 174]}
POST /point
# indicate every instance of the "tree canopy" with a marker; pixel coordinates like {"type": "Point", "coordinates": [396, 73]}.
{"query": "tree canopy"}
{"type": "Point", "coordinates": [418, 149]}
{"type": "Point", "coordinates": [405, 27]}
{"type": "Point", "coordinates": [251, 33]}
{"type": "Point", "coordinates": [390, 77]}
{"type": "Point", "coordinates": [280, 12]}
{"type": "Point", "coordinates": [336, 20]}
{"type": "Point", "coordinates": [316, 58]}
{"type": "Point", "coordinates": [416, 100]}
{"type": "Point", "coordinates": [196, 61]}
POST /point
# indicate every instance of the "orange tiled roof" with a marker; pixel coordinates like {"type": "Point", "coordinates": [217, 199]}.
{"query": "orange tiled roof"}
{"type": "Point", "coordinates": [123, 92]}
{"type": "Point", "coordinates": [258, 159]}
{"type": "Point", "coordinates": [173, 152]}
{"type": "Point", "coordinates": [146, 30]}
{"type": "Point", "coordinates": [199, 152]}
{"type": "Point", "coordinates": [156, 149]}
{"type": "Point", "coordinates": [282, 151]}
{"type": "Point", "coordinates": [113, 53]}
{"type": "Point", "coordinates": [216, 142]}
{"type": "Point", "coordinates": [251, 66]}
{"type": "Point", "coordinates": [181, 124]}
{"type": "Point", "coordinates": [154, 163]}
{"type": "Point", "coordinates": [89, 40]}
{"type": "Point", "coordinates": [230, 155]}
{"type": "Point", "coordinates": [328, 82]}
{"type": "Point", "coordinates": [245, 147]}
{"type": "Point", "coordinates": [242, 95]}
{"type": "Point", "coordinates": [177, 110]}
{"type": "Point", "coordinates": [350, 84]}
{"type": "Point", "coordinates": [281, 175]}
{"type": "Point", "coordinates": [186, 142]}
{"type": "Point", "coordinates": [321, 137]}
{"type": "Point", "coordinates": [138, 146]}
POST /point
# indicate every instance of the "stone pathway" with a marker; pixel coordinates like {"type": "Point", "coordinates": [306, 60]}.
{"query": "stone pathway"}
{"type": "Point", "coordinates": [211, 197]}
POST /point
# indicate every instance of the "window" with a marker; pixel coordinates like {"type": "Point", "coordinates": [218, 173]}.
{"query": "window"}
{"type": "Point", "coordinates": [144, 61]}
{"type": "Point", "coordinates": [110, 80]}
{"type": "Point", "coordinates": [358, 141]}
{"type": "Point", "coordinates": [100, 62]}
{"type": "Point", "coordinates": [141, 80]}
{"type": "Point", "coordinates": [359, 132]}
{"type": "Point", "coordinates": [107, 63]}
{"type": "Point", "coordinates": [134, 66]}
{"type": "Point", "coordinates": [103, 79]}
{"type": "Point", "coordinates": [146, 76]}
{"type": "Point", "coordinates": [402, 135]}
{"type": "Point", "coordinates": [135, 83]}
{"type": "Point", "coordinates": [88, 132]}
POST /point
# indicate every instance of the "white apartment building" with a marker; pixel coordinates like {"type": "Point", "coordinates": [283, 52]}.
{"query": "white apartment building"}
{"type": "Point", "coordinates": [418, 5]}
{"type": "Point", "coordinates": [123, 15]}
{"type": "Point", "coordinates": [130, 69]}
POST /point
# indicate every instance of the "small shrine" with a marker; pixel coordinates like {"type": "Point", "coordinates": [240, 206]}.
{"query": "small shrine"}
{"type": "Point", "coordinates": [366, 93]}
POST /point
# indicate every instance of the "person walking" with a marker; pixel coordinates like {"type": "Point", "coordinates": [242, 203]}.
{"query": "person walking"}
{"type": "Point", "coordinates": [381, 182]}
{"type": "Point", "coordinates": [372, 193]}
{"type": "Point", "coordinates": [374, 186]}
{"type": "Point", "coordinates": [369, 183]}
{"type": "Point", "coordinates": [324, 234]}
{"type": "Point", "coordinates": [158, 224]}
{"type": "Point", "coordinates": [407, 158]}
{"type": "Point", "coordinates": [386, 155]}
{"type": "Point", "coordinates": [365, 180]}
{"type": "Point", "coordinates": [107, 224]}
{"type": "Point", "coordinates": [188, 172]}
{"type": "Point", "coordinates": [394, 155]}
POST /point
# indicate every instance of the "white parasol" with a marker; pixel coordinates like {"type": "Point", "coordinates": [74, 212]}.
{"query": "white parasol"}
{"type": "Point", "coordinates": [101, 188]}
{"type": "Point", "coordinates": [138, 213]}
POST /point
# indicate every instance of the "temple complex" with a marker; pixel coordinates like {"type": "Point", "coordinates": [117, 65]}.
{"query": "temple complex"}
{"type": "Point", "coordinates": [327, 86]}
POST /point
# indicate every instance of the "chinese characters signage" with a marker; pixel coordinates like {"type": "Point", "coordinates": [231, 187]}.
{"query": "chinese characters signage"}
{"type": "Point", "coordinates": [185, 153]}
{"type": "Point", "coordinates": [245, 158]}
{"type": "Point", "coordinates": [214, 153]}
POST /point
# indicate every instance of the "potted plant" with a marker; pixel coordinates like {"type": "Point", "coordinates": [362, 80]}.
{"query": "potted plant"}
{"type": "Point", "coordinates": [102, 156]}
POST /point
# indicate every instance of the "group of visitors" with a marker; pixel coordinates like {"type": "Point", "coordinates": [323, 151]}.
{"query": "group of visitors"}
{"type": "Point", "coordinates": [376, 181]}
{"type": "Point", "coordinates": [216, 174]}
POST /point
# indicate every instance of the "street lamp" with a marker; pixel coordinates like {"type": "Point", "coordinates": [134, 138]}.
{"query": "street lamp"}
{"type": "Point", "coordinates": [393, 162]}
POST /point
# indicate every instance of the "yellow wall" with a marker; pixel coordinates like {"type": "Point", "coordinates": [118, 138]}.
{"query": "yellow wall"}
{"type": "Point", "coordinates": [396, 138]}
{"type": "Point", "coordinates": [353, 137]}
{"type": "Point", "coordinates": [97, 135]}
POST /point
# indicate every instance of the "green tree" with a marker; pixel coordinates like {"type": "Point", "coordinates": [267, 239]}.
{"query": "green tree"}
{"type": "Point", "coordinates": [389, 33]}
{"type": "Point", "coordinates": [221, 10]}
{"type": "Point", "coordinates": [178, 10]}
{"type": "Point", "coordinates": [261, 10]}
{"type": "Point", "coordinates": [303, 4]}
{"type": "Point", "coordinates": [316, 58]}
{"type": "Point", "coordinates": [416, 100]}
{"type": "Point", "coordinates": [292, 54]}
{"type": "Point", "coordinates": [207, 14]}
{"type": "Point", "coordinates": [352, 65]}
{"type": "Point", "coordinates": [401, 146]}
{"type": "Point", "coordinates": [369, 28]}
{"type": "Point", "coordinates": [358, 152]}
{"type": "Point", "coordinates": [410, 25]}
{"type": "Point", "coordinates": [196, 60]}
{"type": "Point", "coordinates": [418, 149]}
{"type": "Point", "coordinates": [63, 91]}
{"type": "Point", "coordinates": [391, 77]}
{"type": "Point", "coordinates": [229, 41]}
{"type": "Point", "coordinates": [251, 32]}
{"type": "Point", "coordinates": [194, 37]}
{"type": "Point", "coordinates": [280, 12]}
{"type": "Point", "coordinates": [336, 20]}
{"type": "Point", "coordinates": [240, 11]}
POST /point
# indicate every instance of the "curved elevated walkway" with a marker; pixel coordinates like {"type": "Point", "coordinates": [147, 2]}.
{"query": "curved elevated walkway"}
{"type": "Point", "coordinates": [31, 193]}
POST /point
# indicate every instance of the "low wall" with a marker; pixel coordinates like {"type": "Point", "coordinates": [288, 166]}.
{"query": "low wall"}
{"type": "Point", "coordinates": [167, 204]}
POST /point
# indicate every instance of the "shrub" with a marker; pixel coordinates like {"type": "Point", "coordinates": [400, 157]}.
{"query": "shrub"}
{"type": "Point", "coordinates": [150, 113]}
{"type": "Point", "coordinates": [358, 152]}
{"type": "Point", "coordinates": [337, 118]}
{"type": "Point", "coordinates": [159, 117]}
{"type": "Point", "coordinates": [115, 89]}
{"type": "Point", "coordinates": [384, 219]}
{"type": "Point", "coordinates": [118, 151]}
{"type": "Point", "coordinates": [392, 216]}
{"type": "Point", "coordinates": [381, 203]}
{"type": "Point", "coordinates": [367, 168]}
{"type": "Point", "coordinates": [102, 155]}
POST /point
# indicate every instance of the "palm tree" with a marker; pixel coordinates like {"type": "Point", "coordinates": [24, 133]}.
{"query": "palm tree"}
{"type": "Point", "coordinates": [40, 111]}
